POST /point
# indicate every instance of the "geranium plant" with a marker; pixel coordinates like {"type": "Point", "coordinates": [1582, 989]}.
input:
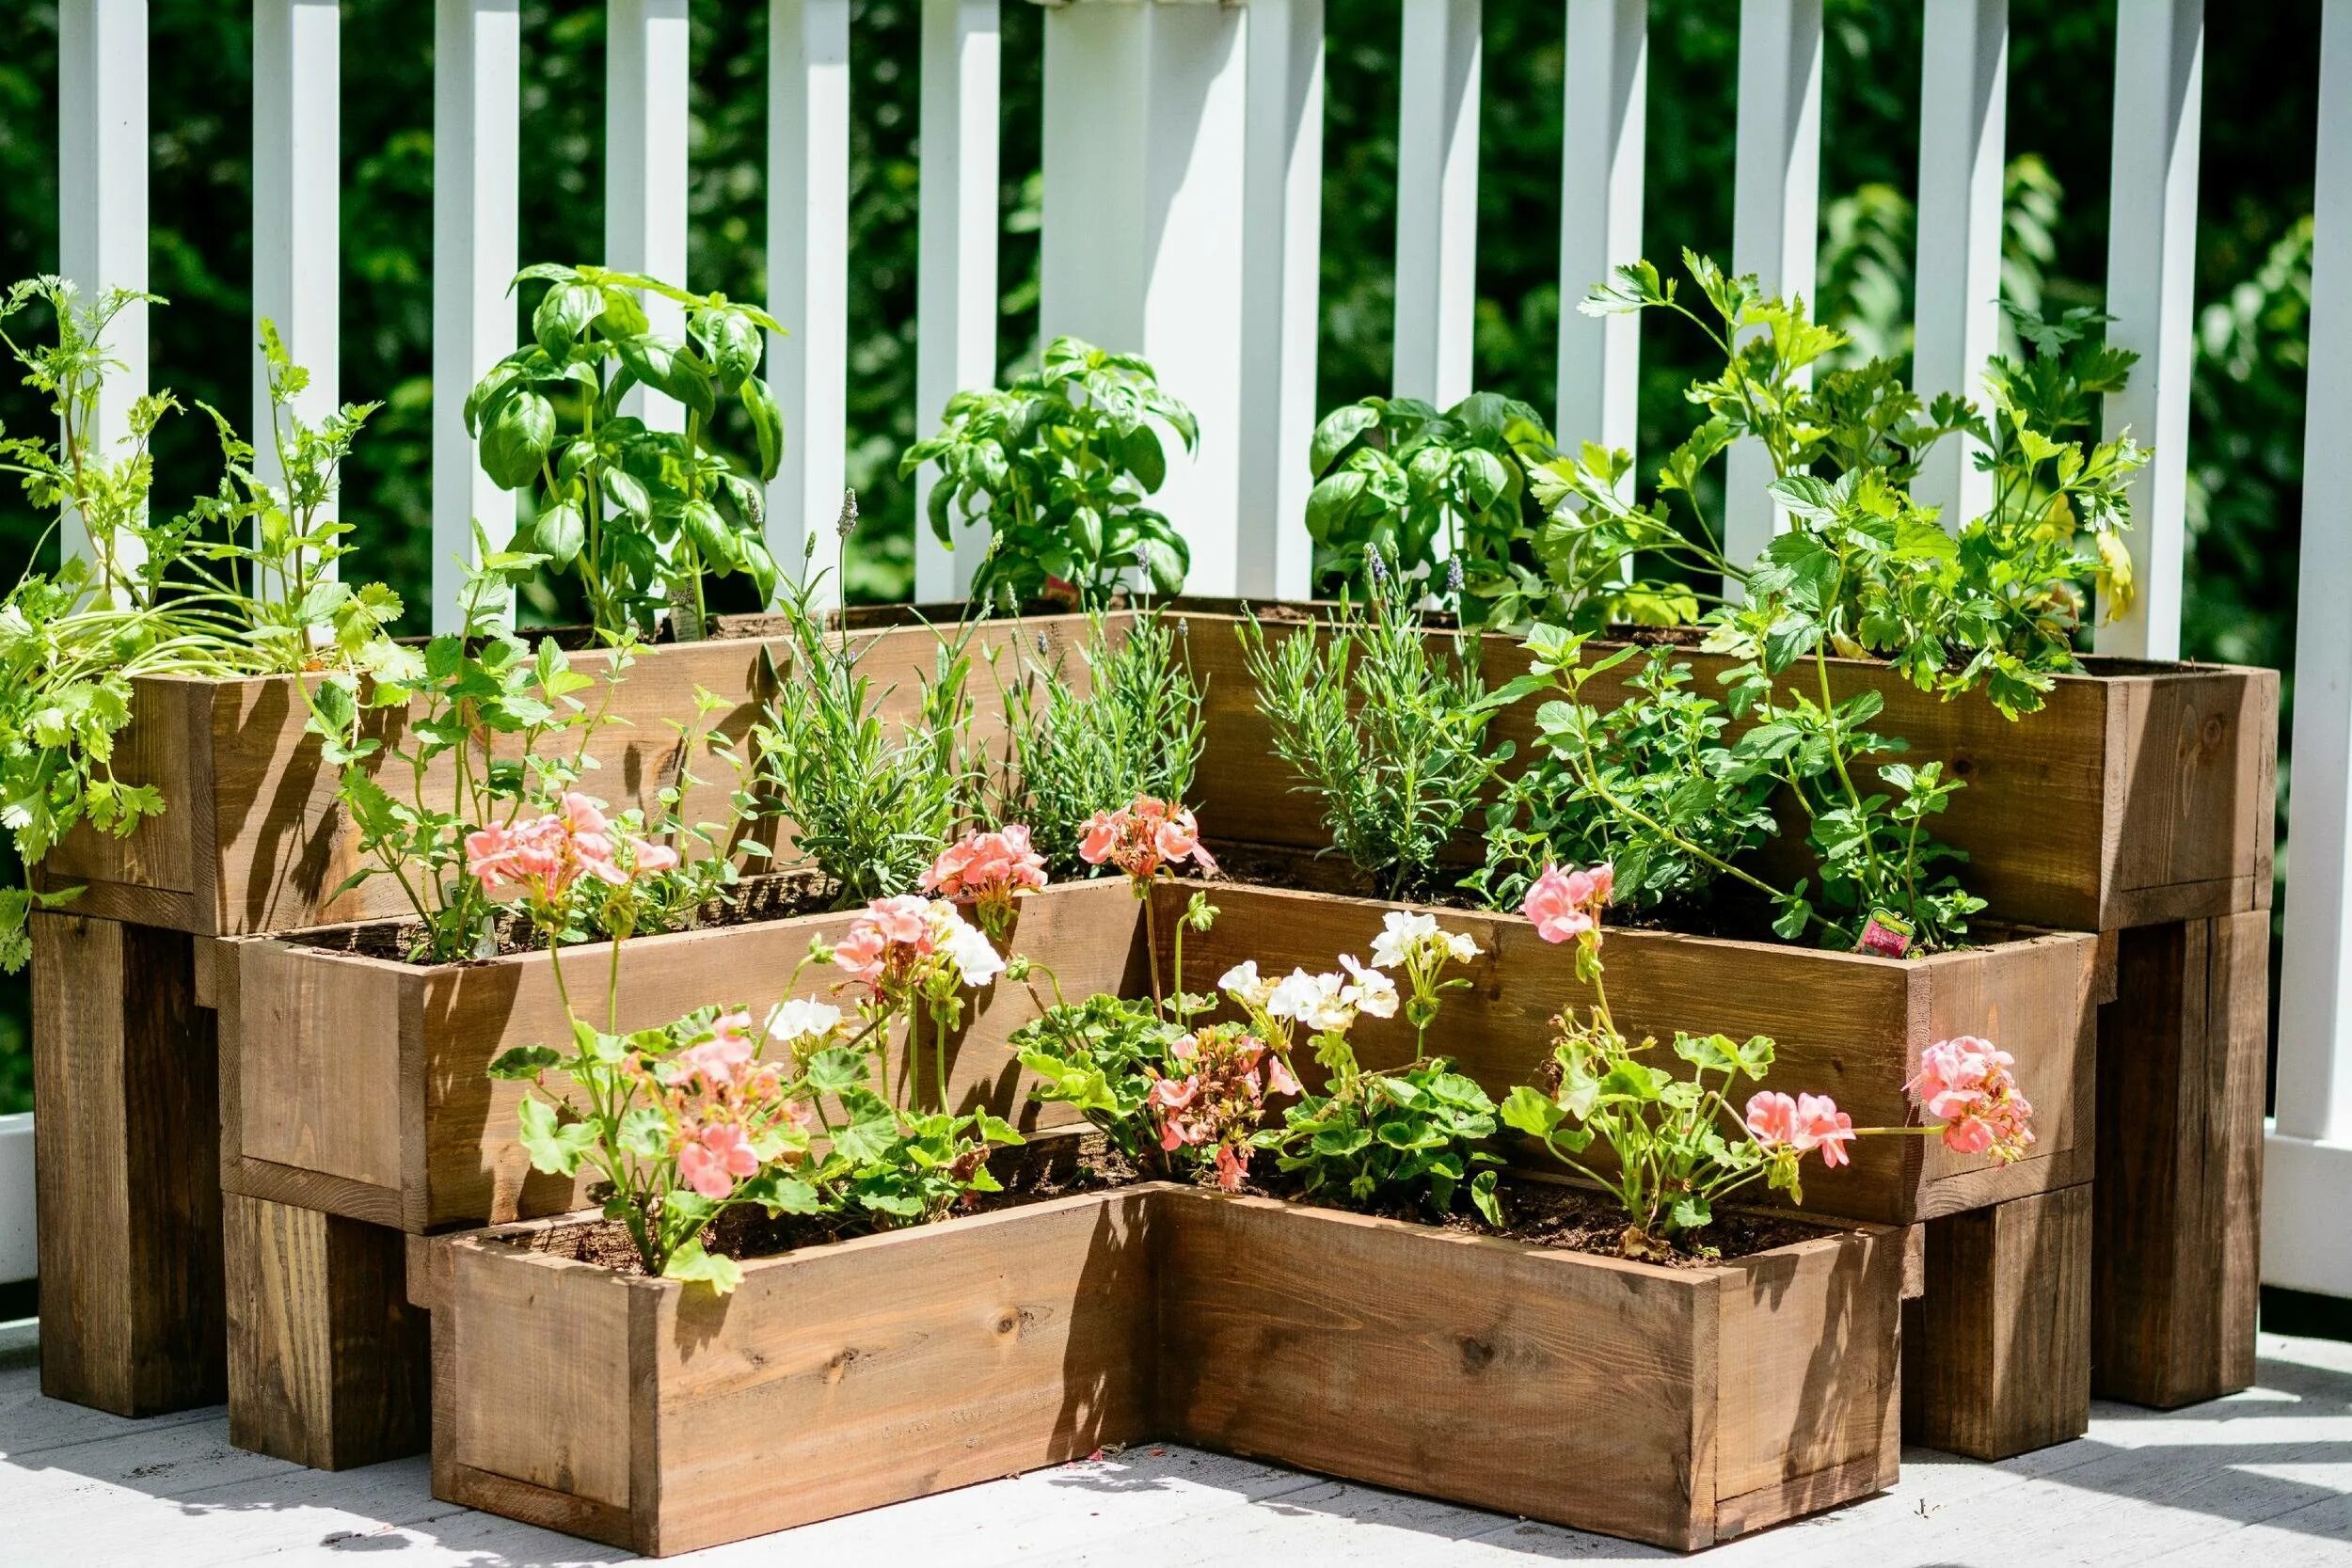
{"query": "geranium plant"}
{"type": "Point", "coordinates": [1062, 462]}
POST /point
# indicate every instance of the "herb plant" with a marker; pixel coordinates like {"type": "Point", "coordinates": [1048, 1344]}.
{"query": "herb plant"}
{"type": "Point", "coordinates": [1061, 463]}
{"type": "Point", "coordinates": [1134, 731]}
{"type": "Point", "coordinates": [1385, 730]}
{"type": "Point", "coordinates": [638, 514]}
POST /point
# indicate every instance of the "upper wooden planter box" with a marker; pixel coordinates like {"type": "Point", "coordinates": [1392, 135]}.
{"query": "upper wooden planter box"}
{"type": "Point", "coordinates": [251, 838]}
{"type": "Point", "coordinates": [1849, 1025]}
{"type": "Point", "coordinates": [1676, 1406]}
{"type": "Point", "coordinates": [2141, 793]}
{"type": "Point", "coordinates": [356, 1086]}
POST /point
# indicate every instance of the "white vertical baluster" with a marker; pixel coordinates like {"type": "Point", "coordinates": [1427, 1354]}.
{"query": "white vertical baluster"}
{"type": "Point", "coordinates": [808, 273]}
{"type": "Point", "coordinates": [297, 194]}
{"type": "Point", "coordinates": [955, 321]}
{"type": "Point", "coordinates": [1604, 102]}
{"type": "Point", "coordinates": [102, 215]}
{"type": "Point", "coordinates": [1775, 209]}
{"type": "Point", "coordinates": [477, 62]}
{"type": "Point", "coordinates": [2151, 268]}
{"type": "Point", "coordinates": [646, 62]}
{"type": "Point", "coordinates": [1281, 257]}
{"type": "Point", "coordinates": [1142, 249]}
{"type": "Point", "coordinates": [1437, 199]}
{"type": "Point", "coordinates": [1963, 93]}
{"type": "Point", "coordinates": [2307, 1161]}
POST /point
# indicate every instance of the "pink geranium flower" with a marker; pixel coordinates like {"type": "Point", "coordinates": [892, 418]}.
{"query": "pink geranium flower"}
{"type": "Point", "coordinates": [1567, 904]}
{"type": "Point", "coordinates": [1822, 1125]}
{"type": "Point", "coordinates": [542, 857]}
{"type": "Point", "coordinates": [1965, 1083]}
{"type": "Point", "coordinates": [1142, 836]}
{"type": "Point", "coordinates": [988, 870]}
{"type": "Point", "coordinates": [715, 1157]}
{"type": "Point", "coordinates": [1773, 1120]}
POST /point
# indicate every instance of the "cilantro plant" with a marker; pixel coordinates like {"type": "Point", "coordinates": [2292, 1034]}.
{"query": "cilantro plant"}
{"type": "Point", "coordinates": [1133, 730]}
{"type": "Point", "coordinates": [1396, 478]}
{"type": "Point", "coordinates": [1061, 463]}
{"type": "Point", "coordinates": [638, 514]}
{"type": "Point", "coordinates": [1388, 731]}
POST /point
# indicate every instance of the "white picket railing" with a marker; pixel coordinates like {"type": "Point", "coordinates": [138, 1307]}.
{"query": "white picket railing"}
{"type": "Point", "coordinates": [1184, 154]}
{"type": "Point", "coordinates": [16, 1199]}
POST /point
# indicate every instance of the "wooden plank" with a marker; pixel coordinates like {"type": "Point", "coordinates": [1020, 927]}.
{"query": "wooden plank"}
{"type": "Point", "coordinates": [956, 231]}
{"type": "Point", "coordinates": [2181, 1055]}
{"type": "Point", "coordinates": [310, 1093]}
{"type": "Point", "coordinates": [327, 1361]}
{"type": "Point", "coordinates": [1997, 1354]}
{"type": "Point", "coordinates": [477, 64]}
{"type": "Point", "coordinates": [809, 274]}
{"type": "Point", "coordinates": [2151, 284]}
{"type": "Point", "coordinates": [1605, 102]}
{"type": "Point", "coordinates": [126, 1085]}
{"type": "Point", "coordinates": [101, 212]}
{"type": "Point", "coordinates": [1281, 266]}
{"type": "Point", "coordinates": [1963, 96]}
{"type": "Point", "coordinates": [1845, 1025]}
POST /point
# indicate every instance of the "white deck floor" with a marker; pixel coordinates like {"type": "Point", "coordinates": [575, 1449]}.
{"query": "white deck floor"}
{"type": "Point", "coordinates": [2262, 1479]}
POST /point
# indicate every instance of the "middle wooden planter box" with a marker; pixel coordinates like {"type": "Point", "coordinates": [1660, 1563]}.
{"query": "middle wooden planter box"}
{"type": "Point", "coordinates": [1676, 1406]}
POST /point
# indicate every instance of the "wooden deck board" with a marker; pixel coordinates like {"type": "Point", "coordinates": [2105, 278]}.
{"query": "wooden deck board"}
{"type": "Point", "coordinates": [2262, 1479]}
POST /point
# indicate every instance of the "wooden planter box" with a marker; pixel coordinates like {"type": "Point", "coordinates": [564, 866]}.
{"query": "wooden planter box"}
{"type": "Point", "coordinates": [253, 840]}
{"type": "Point", "coordinates": [2141, 793]}
{"type": "Point", "coordinates": [356, 1085]}
{"type": "Point", "coordinates": [1672, 1406]}
{"type": "Point", "coordinates": [1849, 1025]}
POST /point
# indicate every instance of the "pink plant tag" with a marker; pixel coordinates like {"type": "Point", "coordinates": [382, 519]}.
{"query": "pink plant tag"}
{"type": "Point", "coordinates": [1884, 934]}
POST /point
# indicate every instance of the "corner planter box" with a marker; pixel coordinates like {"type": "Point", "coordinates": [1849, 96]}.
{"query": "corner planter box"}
{"type": "Point", "coordinates": [253, 840]}
{"type": "Point", "coordinates": [1849, 1025]}
{"type": "Point", "coordinates": [356, 1085]}
{"type": "Point", "coordinates": [1673, 1406]}
{"type": "Point", "coordinates": [2140, 793]}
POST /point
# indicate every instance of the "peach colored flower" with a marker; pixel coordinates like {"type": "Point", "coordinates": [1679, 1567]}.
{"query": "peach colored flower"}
{"type": "Point", "coordinates": [1142, 836]}
{"type": "Point", "coordinates": [715, 1157]}
{"type": "Point", "coordinates": [1822, 1125]}
{"type": "Point", "coordinates": [1965, 1083]}
{"type": "Point", "coordinates": [990, 870]}
{"type": "Point", "coordinates": [1773, 1120]}
{"type": "Point", "coordinates": [1563, 904]}
{"type": "Point", "coordinates": [861, 953]}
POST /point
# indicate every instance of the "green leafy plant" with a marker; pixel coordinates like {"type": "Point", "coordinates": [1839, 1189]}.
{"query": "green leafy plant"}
{"type": "Point", "coordinates": [1650, 786]}
{"type": "Point", "coordinates": [872, 799]}
{"type": "Point", "coordinates": [1061, 463]}
{"type": "Point", "coordinates": [1395, 477]}
{"type": "Point", "coordinates": [638, 514]}
{"type": "Point", "coordinates": [1134, 729]}
{"type": "Point", "coordinates": [1388, 731]}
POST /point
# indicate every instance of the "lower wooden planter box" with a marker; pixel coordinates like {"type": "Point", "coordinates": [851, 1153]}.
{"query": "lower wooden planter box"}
{"type": "Point", "coordinates": [1675, 1406]}
{"type": "Point", "coordinates": [1849, 1025]}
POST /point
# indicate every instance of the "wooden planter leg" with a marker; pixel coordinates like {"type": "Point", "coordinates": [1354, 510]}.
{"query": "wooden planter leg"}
{"type": "Point", "coordinates": [126, 1091]}
{"type": "Point", "coordinates": [2177, 1274]}
{"type": "Point", "coordinates": [329, 1364]}
{"type": "Point", "coordinates": [1996, 1353]}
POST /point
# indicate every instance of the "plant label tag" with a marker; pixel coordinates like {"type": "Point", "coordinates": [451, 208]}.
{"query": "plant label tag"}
{"type": "Point", "coordinates": [1884, 934]}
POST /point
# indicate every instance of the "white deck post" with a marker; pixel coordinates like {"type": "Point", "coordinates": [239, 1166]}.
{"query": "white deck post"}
{"type": "Point", "coordinates": [808, 276]}
{"type": "Point", "coordinates": [102, 198]}
{"type": "Point", "coordinates": [955, 321]}
{"type": "Point", "coordinates": [645, 63]}
{"type": "Point", "coordinates": [477, 62]}
{"type": "Point", "coordinates": [1775, 209]}
{"type": "Point", "coordinates": [1964, 94]}
{"type": "Point", "coordinates": [2152, 275]}
{"type": "Point", "coordinates": [1142, 248]}
{"type": "Point", "coordinates": [2308, 1156]}
{"type": "Point", "coordinates": [1281, 262]}
{"type": "Point", "coordinates": [1605, 101]}
{"type": "Point", "coordinates": [1437, 199]}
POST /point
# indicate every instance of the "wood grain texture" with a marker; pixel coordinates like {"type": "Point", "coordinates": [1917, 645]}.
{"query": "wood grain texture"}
{"type": "Point", "coordinates": [2181, 1054]}
{"type": "Point", "coordinates": [362, 1081]}
{"type": "Point", "coordinates": [125, 1081]}
{"type": "Point", "coordinates": [1848, 1025]}
{"type": "Point", "coordinates": [327, 1360]}
{"type": "Point", "coordinates": [1996, 1353]}
{"type": "Point", "coordinates": [845, 1376]}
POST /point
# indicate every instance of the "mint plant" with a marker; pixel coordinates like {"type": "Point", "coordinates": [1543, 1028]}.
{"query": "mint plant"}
{"type": "Point", "coordinates": [1061, 463]}
{"type": "Point", "coordinates": [1385, 730]}
{"type": "Point", "coordinates": [638, 515]}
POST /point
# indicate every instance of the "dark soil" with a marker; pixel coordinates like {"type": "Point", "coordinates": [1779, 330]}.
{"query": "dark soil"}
{"type": "Point", "coordinates": [776, 896]}
{"type": "Point", "coordinates": [1539, 1212]}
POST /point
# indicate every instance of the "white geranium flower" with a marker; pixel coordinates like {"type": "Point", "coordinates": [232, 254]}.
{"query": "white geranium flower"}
{"type": "Point", "coordinates": [1460, 945]}
{"type": "Point", "coordinates": [1243, 984]}
{"type": "Point", "coordinates": [1313, 1000]}
{"type": "Point", "coordinates": [968, 948]}
{"type": "Point", "coordinates": [1372, 993]}
{"type": "Point", "coordinates": [1400, 934]}
{"type": "Point", "coordinates": [803, 1018]}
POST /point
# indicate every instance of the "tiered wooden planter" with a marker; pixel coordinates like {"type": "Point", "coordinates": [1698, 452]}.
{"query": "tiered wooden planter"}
{"type": "Point", "coordinates": [251, 841]}
{"type": "Point", "coordinates": [1673, 1406]}
{"type": "Point", "coordinates": [2138, 804]}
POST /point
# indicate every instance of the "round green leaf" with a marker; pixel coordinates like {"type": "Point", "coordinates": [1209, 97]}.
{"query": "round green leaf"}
{"type": "Point", "coordinates": [516, 440]}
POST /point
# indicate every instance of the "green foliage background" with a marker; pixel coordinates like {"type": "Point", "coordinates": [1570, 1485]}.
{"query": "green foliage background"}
{"type": "Point", "coordinates": [2253, 251]}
